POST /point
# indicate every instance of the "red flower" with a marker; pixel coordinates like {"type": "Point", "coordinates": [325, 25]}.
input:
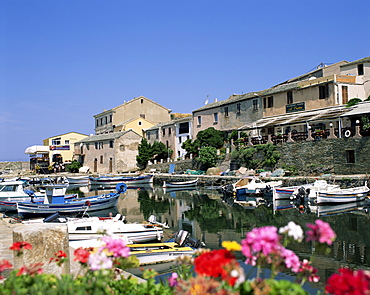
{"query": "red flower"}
{"type": "Point", "coordinates": [81, 255]}
{"type": "Point", "coordinates": [32, 269]}
{"type": "Point", "coordinates": [60, 257]}
{"type": "Point", "coordinates": [218, 264]}
{"type": "Point", "coordinates": [5, 264]}
{"type": "Point", "coordinates": [349, 282]}
{"type": "Point", "coordinates": [19, 246]}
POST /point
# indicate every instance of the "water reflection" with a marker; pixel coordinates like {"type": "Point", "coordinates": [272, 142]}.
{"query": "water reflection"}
{"type": "Point", "coordinates": [207, 216]}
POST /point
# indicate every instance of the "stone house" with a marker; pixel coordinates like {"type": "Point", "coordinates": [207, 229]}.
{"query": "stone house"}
{"type": "Point", "coordinates": [173, 134]}
{"type": "Point", "coordinates": [139, 107]}
{"type": "Point", "coordinates": [109, 153]}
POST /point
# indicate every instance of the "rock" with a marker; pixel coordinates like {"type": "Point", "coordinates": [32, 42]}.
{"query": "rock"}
{"type": "Point", "coordinates": [213, 171]}
{"type": "Point", "coordinates": [46, 240]}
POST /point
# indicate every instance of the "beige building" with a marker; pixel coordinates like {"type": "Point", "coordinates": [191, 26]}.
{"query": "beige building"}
{"type": "Point", "coordinates": [138, 125]}
{"type": "Point", "coordinates": [139, 107]}
{"type": "Point", "coordinates": [109, 153]}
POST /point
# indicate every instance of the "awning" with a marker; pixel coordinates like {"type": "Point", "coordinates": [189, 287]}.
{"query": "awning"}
{"type": "Point", "coordinates": [37, 149]}
{"type": "Point", "coordinates": [298, 117]}
{"type": "Point", "coordinates": [359, 109]}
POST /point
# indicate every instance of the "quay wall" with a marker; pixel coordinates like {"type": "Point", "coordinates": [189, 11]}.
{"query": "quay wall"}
{"type": "Point", "coordinates": [328, 156]}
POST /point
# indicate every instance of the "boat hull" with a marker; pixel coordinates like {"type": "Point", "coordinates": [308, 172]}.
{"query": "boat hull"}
{"type": "Point", "coordinates": [181, 184]}
{"type": "Point", "coordinates": [341, 197]}
{"type": "Point", "coordinates": [128, 180]}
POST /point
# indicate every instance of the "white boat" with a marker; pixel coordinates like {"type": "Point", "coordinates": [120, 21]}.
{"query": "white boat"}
{"type": "Point", "coordinates": [180, 184]}
{"type": "Point", "coordinates": [292, 191]}
{"type": "Point", "coordinates": [128, 180]}
{"type": "Point", "coordinates": [152, 253]}
{"type": "Point", "coordinates": [339, 195]}
{"type": "Point", "coordinates": [249, 185]}
{"type": "Point", "coordinates": [89, 228]}
{"type": "Point", "coordinates": [337, 208]}
{"type": "Point", "coordinates": [81, 180]}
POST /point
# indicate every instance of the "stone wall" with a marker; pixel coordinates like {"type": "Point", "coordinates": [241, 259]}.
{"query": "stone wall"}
{"type": "Point", "coordinates": [327, 156]}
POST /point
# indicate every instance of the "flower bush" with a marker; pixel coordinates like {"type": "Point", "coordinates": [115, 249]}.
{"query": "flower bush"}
{"type": "Point", "coordinates": [208, 272]}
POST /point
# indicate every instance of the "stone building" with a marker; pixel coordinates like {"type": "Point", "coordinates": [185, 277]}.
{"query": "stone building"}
{"type": "Point", "coordinates": [139, 107]}
{"type": "Point", "coordinates": [109, 153]}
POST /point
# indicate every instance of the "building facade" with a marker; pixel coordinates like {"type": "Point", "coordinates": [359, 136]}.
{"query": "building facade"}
{"type": "Point", "coordinates": [139, 107]}
{"type": "Point", "coordinates": [109, 153]}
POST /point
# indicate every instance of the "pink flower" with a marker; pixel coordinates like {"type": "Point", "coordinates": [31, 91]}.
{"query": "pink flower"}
{"type": "Point", "coordinates": [308, 271]}
{"type": "Point", "coordinates": [173, 279]}
{"type": "Point", "coordinates": [100, 260]}
{"type": "Point", "coordinates": [320, 231]}
{"type": "Point", "coordinates": [116, 246]}
{"type": "Point", "coordinates": [263, 239]}
{"type": "Point", "coordinates": [291, 259]}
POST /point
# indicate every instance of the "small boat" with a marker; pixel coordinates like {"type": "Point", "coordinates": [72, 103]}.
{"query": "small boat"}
{"type": "Point", "coordinates": [152, 253]}
{"type": "Point", "coordinates": [58, 203]}
{"type": "Point", "coordinates": [80, 180]}
{"type": "Point", "coordinates": [15, 191]}
{"type": "Point", "coordinates": [128, 180]}
{"type": "Point", "coordinates": [292, 191]}
{"type": "Point", "coordinates": [346, 195]}
{"type": "Point", "coordinates": [250, 185]}
{"type": "Point", "coordinates": [180, 184]}
{"type": "Point", "coordinates": [88, 228]}
{"type": "Point", "coordinates": [334, 209]}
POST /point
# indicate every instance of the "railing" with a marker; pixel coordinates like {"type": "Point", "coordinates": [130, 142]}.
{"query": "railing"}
{"type": "Point", "coordinates": [303, 136]}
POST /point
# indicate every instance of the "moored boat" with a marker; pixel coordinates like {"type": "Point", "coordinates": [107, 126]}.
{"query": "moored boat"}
{"type": "Point", "coordinates": [250, 185]}
{"type": "Point", "coordinates": [347, 195]}
{"type": "Point", "coordinates": [128, 180]}
{"type": "Point", "coordinates": [53, 204]}
{"type": "Point", "coordinates": [180, 184]}
{"type": "Point", "coordinates": [80, 180]}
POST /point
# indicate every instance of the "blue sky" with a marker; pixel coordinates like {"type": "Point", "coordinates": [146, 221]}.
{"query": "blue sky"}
{"type": "Point", "coordinates": [61, 62]}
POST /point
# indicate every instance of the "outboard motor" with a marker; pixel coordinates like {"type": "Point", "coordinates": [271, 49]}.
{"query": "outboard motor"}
{"type": "Point", "coordinates": [182, 238]}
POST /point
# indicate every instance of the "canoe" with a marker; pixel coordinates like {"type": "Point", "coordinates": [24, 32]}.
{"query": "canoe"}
{"type": "Point", "coordinates": [347, 195]}
{"type": "Point", "coordinates": [60, 204]}
{"type": "Point", "coordinates": [82, 180]}
{"type": "Point", "coordinates": [180, 184]}
{"type": "Point", "coordinates": [128, 180]}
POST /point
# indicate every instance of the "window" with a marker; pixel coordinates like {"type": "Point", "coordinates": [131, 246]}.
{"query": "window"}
{"type": "Point", "coordinates": [255, 105]}
{"type": "Point", "coordinates": [148, 135]}
{"type": "Point", "coordinates": [184, 128]}
{"type": "Point", "coordinates": [270, 102]}
{"type": "Point", "coordinates": [199, 120]}
{"type": "Point", "coordinates": [324, 91]}
{"type": "Point", "coordinates": [350, 155]}
{"type": "Point", "coordinates": [169, 131]}
{"type": "Point", "coordinates": [289, 97]}
{"type": "Point", "coordinates": [226, 111]}
{"type": "Point", "coordinates": [270, 130]}
{"type": "Point", "coordinates": [360, 69]}
{"type": "Point", "coordinates": [180, 140]}
{"type": "Point", "coordinates": [96, 145]}
{"type": "Point", "coordinates": [66, 141]}
{"type": "Point", "coordinates": [101, 159]}
{"type": "Point", "coordinates": [106, 120]}
{"type": "Point", "coordinates": [142, 101]}
{"type": "Point", "coordinates": [215, 117]}
{"type": "Point", "coordinates": [238, 109]}
{"type": "Point", "coordinates": [111, 143]}
{"type": "Point", "coordinates": [167, 144]}
{"type": "Point", "coordinates": [344, 94]}
{"type": "Point", "coordinates": [97, 122]}
{"type": "Point", "coordinates": [56, 141]}
{"type": "Point", "coordinates": [139, 123]}
{"type": "Point", "coordinates": [110, 118]}
{"type": "Point", "coordinates": [163, 131]}
{"type": "Point", "coordinates": [264, 103]}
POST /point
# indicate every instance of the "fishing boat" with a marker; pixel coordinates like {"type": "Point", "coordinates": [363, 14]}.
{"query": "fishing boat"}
{"type": "Point", "coordinates": [250, 185]}
{"type": "Point", "coordinates": [339, 195]}
{"type": "Point", "coordinates": [80, 180]}
{"type": "Point", "coordinates": [55, 203]}
{"type": "Point", "coordinates": [128, 180]}
{"type": "Point", "coordinates": [152, 253]}
{"type": "Point", "coordinates": [16, 189]}
{"type": "Point", "coordinates": [291, 192]}
{"type": "Point", "coordinates": [88, 228]}
{"type": "Point", "coordinates": [337, 208]}
{"type": "Point", "coordinates": [180, 184]}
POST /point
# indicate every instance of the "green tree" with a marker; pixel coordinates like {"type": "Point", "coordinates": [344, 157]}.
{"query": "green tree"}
{"type": "Point", "coordinates": [159, 151]}
{"type": "Point", "coordinates": [73, 167]}
{"type": "Point", "coordinates": [208, 156]}
{"type": "Point", "coordinates": [145, 152]}
{"type": "Point", "coordinates": [190, 147]}
{"type": "Point", "coordinates": [210, 137]}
